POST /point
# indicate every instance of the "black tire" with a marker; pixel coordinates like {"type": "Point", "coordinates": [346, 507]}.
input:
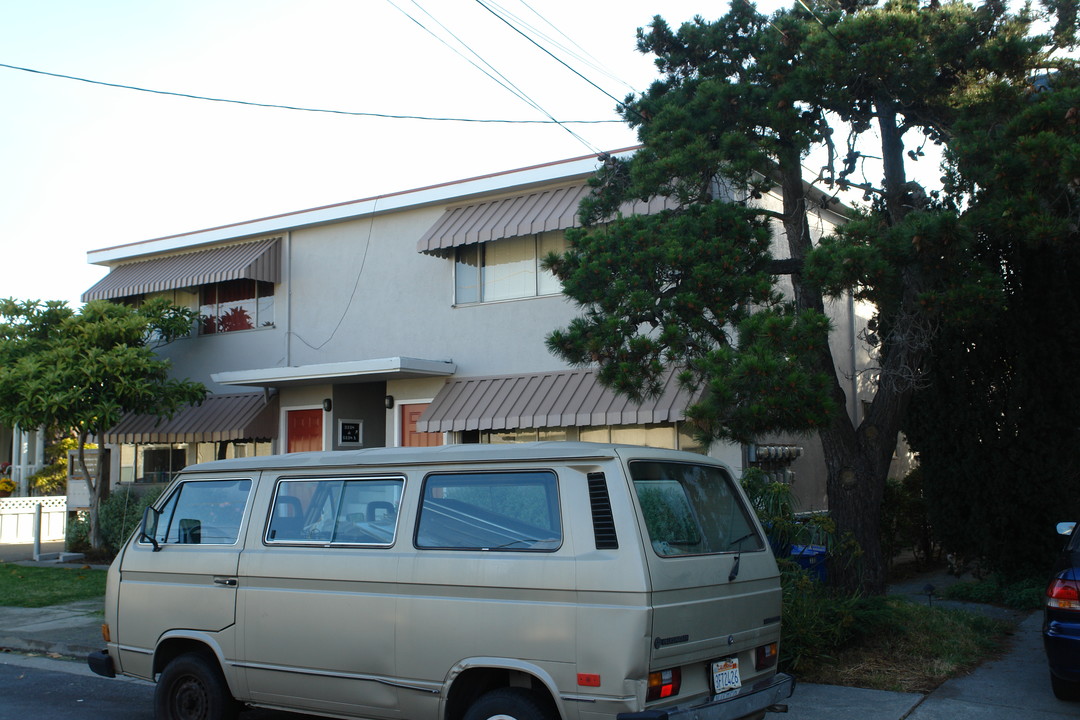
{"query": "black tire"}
{"type": "Point", "coordinates": [192, 688]}
{"type": "Point", "coordinates": [510, 704]}
{"type": "Point", "coordinates": [1065, 689]}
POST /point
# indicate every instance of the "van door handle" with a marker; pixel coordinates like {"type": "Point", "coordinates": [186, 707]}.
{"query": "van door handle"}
{"type": "Point", "coordinates": [226, 581]}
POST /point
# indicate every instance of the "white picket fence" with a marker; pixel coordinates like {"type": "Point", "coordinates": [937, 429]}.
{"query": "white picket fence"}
{"type": "Point", "coordinates": [17, 518]}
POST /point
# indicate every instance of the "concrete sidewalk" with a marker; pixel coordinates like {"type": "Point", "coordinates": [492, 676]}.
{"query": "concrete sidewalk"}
{"type": "Point", "coordinates": [1015, 686]}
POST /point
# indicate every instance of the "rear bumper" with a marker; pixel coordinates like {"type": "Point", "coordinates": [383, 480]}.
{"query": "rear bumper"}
{"type": "Point", "coordinates": [101, 663]}
{"type": "Point", "coordinates": [746, 701]}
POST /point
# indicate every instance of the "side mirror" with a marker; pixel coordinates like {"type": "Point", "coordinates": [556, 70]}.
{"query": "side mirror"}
{"type": "Point", "coordinates": [1065, 528]}
{"type": "Point", "coordinates": [149, 527]}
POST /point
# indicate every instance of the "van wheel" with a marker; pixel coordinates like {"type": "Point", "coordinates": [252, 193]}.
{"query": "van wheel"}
{"type": "Point", "coordinates": [510, 704]}
{"type": "Point", "coordinates": [192, 688]}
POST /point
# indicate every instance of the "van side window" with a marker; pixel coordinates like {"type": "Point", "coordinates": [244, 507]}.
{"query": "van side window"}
{"type": "Point", "coordinates": [345, 511]}
{"type": "Point", "coordinates": [490, 511]}
{"type": "Point", "coordinates": [692, 509]}
{"type": "Point", "coordinates": [204, 513]}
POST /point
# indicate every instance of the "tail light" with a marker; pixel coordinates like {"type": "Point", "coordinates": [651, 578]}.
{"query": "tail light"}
{"type": "Point", "coordinates": [765, 656]}
{"type": "Point", "coordinates": [664, 684]}
{"type": "Point", "coordinates": [1063, 594]}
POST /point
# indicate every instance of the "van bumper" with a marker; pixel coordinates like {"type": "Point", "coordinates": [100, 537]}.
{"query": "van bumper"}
{"type": "Point", "coordinates": [746, 701]}
{"type": "Point", "coordinates": [101, 663]}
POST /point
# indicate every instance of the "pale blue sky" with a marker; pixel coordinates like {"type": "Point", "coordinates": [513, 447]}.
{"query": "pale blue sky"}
{"type": "Point", "coordinates": [85, 167]}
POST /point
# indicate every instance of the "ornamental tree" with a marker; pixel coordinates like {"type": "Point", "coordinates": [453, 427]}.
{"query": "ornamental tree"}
{"type": "Point", "coordinates": [80, 372]}
{"type": "Point", "coordinates": [740, 106]}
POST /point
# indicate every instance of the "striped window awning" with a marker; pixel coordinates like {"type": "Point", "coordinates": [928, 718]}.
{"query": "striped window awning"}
{"type": "Point", "coordinates": [537, 212]}
{"type": "Point", "coordinates": [260, 260]}
{"type": "Point", "coordinates": [220, 418]}
{"type": "Point", "coordinates": [567, 398]}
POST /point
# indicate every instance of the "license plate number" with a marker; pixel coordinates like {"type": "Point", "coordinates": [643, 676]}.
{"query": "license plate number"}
{"type": "Point", "coordinates": [725, 674]}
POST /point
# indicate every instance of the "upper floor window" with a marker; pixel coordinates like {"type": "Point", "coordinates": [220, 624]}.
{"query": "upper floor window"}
{"type": "Point", "coordinates": [236, 305]}
{"type": "Point", "coordinates": [506, 269]}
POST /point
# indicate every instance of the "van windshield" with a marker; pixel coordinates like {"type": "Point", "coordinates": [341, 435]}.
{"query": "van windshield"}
{"type": "Point", "coordinates": [692, 509]}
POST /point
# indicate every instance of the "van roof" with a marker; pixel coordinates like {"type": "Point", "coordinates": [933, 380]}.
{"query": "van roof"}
{"type": "Point", "coordinates": [444, 454]}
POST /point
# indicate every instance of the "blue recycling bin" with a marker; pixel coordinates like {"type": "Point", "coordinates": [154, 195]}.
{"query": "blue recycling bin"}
{"type": "Point", "coordinates": [810, 558]}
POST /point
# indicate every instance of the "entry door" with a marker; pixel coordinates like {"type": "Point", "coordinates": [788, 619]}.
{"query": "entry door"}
{"type": "Point", "coordinates": [305, 430]}
{"type": "Point", "coordinates": [410, 414]}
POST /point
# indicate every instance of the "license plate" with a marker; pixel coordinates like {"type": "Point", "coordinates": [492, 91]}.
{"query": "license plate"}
{"type": "Point", "coordinates": [725, 675]}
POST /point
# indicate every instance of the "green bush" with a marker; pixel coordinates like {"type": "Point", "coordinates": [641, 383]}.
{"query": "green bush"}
{"type": "Point", "coordinates": [905, 523]}
{"type": "Point", "coordinates": [119, 515]}
{"type": "Point", "coordinates": [1026, 594]}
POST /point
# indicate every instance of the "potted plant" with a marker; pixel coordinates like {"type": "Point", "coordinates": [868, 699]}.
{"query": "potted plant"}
{"type": "Point", "coordinates": [6, 487]}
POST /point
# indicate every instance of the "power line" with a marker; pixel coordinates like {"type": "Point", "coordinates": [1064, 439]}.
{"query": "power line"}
{"type": "Point", "coordinates": [504, 81]}
{"type": "Point", "coordinates": [249, 103]}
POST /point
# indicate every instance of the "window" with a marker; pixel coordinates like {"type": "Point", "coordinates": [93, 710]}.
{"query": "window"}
{"type": "Point", "coordinates": [160, 462]}
{"type": "Point", "coordinates": [236, 305]}
{"type": "Point", "coordinates": [340, 511]}
{"type": "Point", "coordinates": [692, 509]}
{"type": "Point", "coordinates": [490, 511]}
{"type": "Point", "coordinates": [506, 269]}
{"type": "Point", "coordinates": [203, 513]}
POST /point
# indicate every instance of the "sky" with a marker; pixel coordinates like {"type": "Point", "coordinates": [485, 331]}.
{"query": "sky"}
{"type": "Point", "coordinates": [87, 166]}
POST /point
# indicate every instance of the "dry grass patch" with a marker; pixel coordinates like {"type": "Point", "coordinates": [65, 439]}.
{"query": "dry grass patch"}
{"type": "Point", "coordinates": [915, 650]}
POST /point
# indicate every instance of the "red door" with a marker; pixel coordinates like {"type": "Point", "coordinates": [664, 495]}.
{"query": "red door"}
{"type": "Point", "coordinates": [305, 430]}
{"type": "Point", "coordinates": [409, 437]}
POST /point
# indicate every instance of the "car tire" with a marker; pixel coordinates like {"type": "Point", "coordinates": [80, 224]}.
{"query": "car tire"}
{"type": "Point", "coordinates": [1065, 689]}
{"type": "Point", "coordinates": [510, 704]}
{"type": "Point", "coordinates": [191, 687]}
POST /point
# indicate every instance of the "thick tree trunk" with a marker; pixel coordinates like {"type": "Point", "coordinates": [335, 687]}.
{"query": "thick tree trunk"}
{"type": "Point", "coordinates": [855, 472]}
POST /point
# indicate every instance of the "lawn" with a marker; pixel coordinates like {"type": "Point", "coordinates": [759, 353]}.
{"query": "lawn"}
{"type": "Point", "coordinates": [917, 649]}
{"type": "Point", "coordinates": [24, 586]}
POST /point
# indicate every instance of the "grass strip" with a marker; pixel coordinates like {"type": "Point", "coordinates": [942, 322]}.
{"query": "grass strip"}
{"type": "Point", "coordinates": [28, 586]}
{"type": "Point", "coordinates": [916, 650]}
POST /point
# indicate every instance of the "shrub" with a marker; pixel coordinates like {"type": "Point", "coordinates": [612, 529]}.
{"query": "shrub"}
{"type": "Point", "coordinates": [119, 515]}
{"type": "Point", "coordinates": [1026, 594]}
{"type": "Point", "coordinates": [905, 523]}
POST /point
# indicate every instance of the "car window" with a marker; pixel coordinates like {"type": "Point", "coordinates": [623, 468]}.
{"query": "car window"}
{"type": "Point", "coordinates": [203, 513]}
{"type": "Point", "coordinates": [516, 511]}
{"type": "Point", "coordinates": [346, 511]}
{"type": "Point", "coordinates": [692, 509]}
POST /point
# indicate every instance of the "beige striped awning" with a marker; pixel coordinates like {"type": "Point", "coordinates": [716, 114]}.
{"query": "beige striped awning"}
{"type": "Point", "coordinates": [222, 417]}
{"type": "Point", "coordinates": [536, 212]}
{"type": "Point", "coordinates": [260, 260]}
{"type": "Point", "coordinates": [567, 398]}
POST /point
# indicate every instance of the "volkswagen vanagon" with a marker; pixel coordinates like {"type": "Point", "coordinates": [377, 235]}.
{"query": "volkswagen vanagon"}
{"type": "Point", "coordinates": [538, 581]}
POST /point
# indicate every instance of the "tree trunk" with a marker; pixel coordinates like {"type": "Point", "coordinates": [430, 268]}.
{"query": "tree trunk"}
{"type": "Point", "coordinates": [855, 473]}
{"type": "Point", "coordinates": [98, 490]}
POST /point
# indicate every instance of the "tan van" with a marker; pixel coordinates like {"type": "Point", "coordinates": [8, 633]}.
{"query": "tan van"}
{"type": "Point", "coordinates": [538, 581]}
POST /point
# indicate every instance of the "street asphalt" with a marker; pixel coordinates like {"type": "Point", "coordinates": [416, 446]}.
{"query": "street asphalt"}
{"type": "Point", "coordinates": [1016, 685]}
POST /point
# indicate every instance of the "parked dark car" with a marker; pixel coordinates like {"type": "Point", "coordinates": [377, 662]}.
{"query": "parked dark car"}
{"type": "Point", "coordinates": [1061, 618]}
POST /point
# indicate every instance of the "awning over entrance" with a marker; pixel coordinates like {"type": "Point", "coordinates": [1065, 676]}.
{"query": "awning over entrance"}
{"type": "Point", "coordinates": [357, 371]}
{"type": "Point", "coordinates": [260, 260]}
{"type": "Point", "coordinates": [537, 212]}
{"type": "Point", "coordinates": [247, 416]}
{"type": "Point", "coordinates": [568, 398]}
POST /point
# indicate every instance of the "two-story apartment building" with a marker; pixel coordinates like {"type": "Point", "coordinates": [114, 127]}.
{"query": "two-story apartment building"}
{"type": "Point", "coordinates": [412, 318]}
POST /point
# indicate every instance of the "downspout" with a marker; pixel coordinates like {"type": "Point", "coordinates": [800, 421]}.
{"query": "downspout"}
{"type": "Point", "coordinates": [854, 349]}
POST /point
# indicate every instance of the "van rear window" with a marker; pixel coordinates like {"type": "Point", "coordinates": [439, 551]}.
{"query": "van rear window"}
{"type": "Point", "coordinates": [692, 509]}
{"type": "Point", "coordinates": [490, 511]}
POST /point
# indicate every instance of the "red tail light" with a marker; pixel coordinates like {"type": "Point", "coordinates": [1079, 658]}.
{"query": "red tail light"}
{"type": "Point", "coordinates": [664, 684]}
{"type": "Point", "coordinates": [1063, 594]}
{"type": "Point", "coordinates": [765, 657]}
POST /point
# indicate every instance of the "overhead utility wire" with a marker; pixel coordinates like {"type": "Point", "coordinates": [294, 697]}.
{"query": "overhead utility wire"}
{"type": "Point", "coordinates": [484, 5]}
{"type": "Point", "coordinates": [584, 56]}
{"type": "Point", "coordinates": [304, 109]}
{"type": "Point", "coordinates": [508, 85]}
